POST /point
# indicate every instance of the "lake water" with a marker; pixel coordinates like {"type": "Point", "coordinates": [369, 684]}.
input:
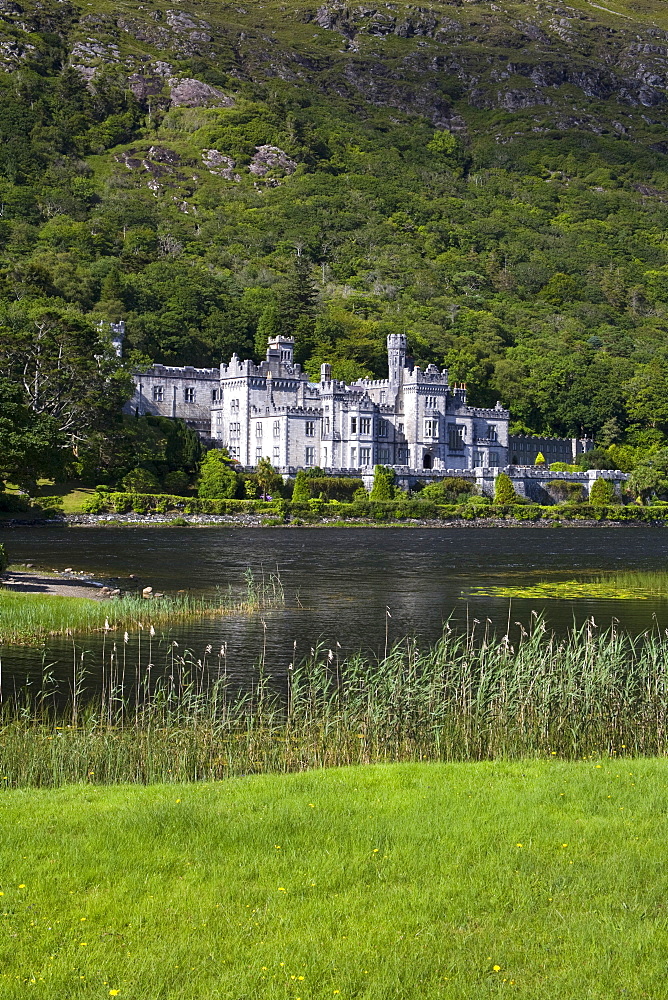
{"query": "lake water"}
{"type": "Point", "coordinates": [339, 583]}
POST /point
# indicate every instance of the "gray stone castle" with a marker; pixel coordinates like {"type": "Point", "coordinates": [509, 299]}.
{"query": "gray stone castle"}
{"type": "Point", "coordinates": [413, 420]}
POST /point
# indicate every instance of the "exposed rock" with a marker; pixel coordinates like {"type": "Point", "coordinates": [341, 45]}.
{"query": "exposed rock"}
{"type": "Point", "coordinates": [188, 93]}
{"type": "Point", "coordinates": [220, 165]}
{"type": "Point", "coordinates": [268, 158]}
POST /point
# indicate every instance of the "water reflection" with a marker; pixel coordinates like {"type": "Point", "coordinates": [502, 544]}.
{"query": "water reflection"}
{"type": "Point", "coordinates": [338, 583]}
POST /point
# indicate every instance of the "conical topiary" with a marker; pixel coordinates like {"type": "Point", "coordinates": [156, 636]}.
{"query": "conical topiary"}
{"type": "Point", "coordinates": [300, 491]}
{"type": "Point", "coordinates": [504, 491]}
{"type": "Point", "coordinates": [540, 459]}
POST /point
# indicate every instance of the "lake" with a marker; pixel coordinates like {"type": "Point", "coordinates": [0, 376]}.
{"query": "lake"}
{"type": "Point", "coordinates": [356, 586]}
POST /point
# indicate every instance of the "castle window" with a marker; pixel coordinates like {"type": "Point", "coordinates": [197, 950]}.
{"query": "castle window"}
{"type": "Point", "coordinates": [158, 393]}
{"type": "Point", "coordinates": [365, 456]}
{"type": "Point", "coordinates": [455, 437]}
{"type": "Point", "coordinates": [431, 403]}
{"type": "Point", "coordinates": [365, 425]}
{"type": "Point", "coordinates": [431, 428]}
{"type": "Point", "coordinates": [258, 429]}
{"type": "Point", "coordinates": [277, 453]}
{"type": "Point", "coordinates": [353, 425]}
{"type": "Point", "coordinates": [219, 417]}
{"type": "Point", "coordinates": [400, 428]}
{"type": "Point", "coordinates": [402, 455]}
{"type": "Point", "coordinates": [309, 429]}
{"type": "Point", "coordinates": [258, 455]}
{"type": "Point", "coordinates": [491, 432]}
{"type": "Point", "coordinates": [383, 395]}
{"type": "Point", "coordinates": [234, 404]}
{"type": "Point", "coordinates": [478, 459]}
{"type": "Point", "coordinates": [277, 428]}
{"type": "Point", "coordinates": [382, 428]}
{"type": "Point", "coordinates": [189, 394]}
{"type": "Point", "coordinates": [214, 395]}
{"type": "Point", "coordinates": [235, 430]}
{"type": "Point", "coordinates": [326, 426]}
{"type": "Point", "coordinates": [493, 459]}
{"type": "Point", "coordinates": [310, 456]}
{"type": "Point", "coordinates": [384, 456]}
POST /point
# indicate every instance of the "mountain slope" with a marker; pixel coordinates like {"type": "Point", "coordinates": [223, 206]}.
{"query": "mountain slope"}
{"type": "Point", "coordinates": [489, 178]}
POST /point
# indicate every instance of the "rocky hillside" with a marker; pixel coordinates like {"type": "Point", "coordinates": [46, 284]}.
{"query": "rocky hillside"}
{"type": "Point", "coordinates": [489, 178]}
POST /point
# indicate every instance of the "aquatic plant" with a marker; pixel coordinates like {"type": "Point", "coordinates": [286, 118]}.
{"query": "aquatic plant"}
{"type": "Point", "coordinates": [29, 619]}
{"type": "Point", "coordinates": [469, 697]}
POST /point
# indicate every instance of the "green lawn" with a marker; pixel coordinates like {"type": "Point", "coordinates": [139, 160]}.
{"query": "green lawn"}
{"type": "Point", "coordinates": [528, 879]}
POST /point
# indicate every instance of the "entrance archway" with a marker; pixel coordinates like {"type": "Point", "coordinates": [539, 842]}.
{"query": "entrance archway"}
{"type": "Point", "coordinates": [426, 461]}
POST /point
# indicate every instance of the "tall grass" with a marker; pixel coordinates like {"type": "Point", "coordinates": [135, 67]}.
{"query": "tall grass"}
{"type": "Point", "coordinates": [467, 698]}
{"type": "Point", "coordinates": [28, 619]}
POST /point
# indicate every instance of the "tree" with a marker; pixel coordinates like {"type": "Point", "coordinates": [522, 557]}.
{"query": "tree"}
{"type": "Point", "coordinates": [141, 480]}
{"type": "Point", "coordinates": [602, 492]}
{"type": "Point", "coordinates": [540, 459]}
{"type": "Point", "coordinates": [650, 478]}
{"type": "Point", "coordinates": [301, 492]}
{"type": "Point", "coordinates": [217, 479]}
{"type": "Point", "coordinates": [504, 491]}
{"type": "Point", "coordinates": [383, 483]}
{"type": "Point", "coordinates": [30, 446]}
{"type": "Point", "coordinates": [268, 479]}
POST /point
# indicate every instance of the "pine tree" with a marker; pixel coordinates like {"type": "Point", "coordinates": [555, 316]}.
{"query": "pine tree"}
{"type": "Point", "coordinates": [504, 491]}
{"type": "Point", "coordinates": [540, 458]}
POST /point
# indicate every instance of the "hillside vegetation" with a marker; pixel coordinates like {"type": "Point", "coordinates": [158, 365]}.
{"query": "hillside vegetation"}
{"type": "Point", "coordinates": [490, 179]}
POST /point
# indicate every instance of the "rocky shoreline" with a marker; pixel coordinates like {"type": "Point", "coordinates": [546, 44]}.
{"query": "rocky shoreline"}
{"type": "Point", "coordinates": [261, 521]}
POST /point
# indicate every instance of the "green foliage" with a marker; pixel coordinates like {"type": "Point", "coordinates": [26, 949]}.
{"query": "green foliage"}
{"type": "Point", "coordinates": [540, 459]}
{"type": "Point", "coordinates": [268, 480]}
{"type": "Point", "coordinates": [504, 491]}
{"type": "Point", "coordinates": [4, 559]}
{"type": "Point", "coordinates": [650, 478]}
{"type": "Point", "coordinates": [217, 478]}
{"type": "Point", "coordinates": [176, 483]}
{"type": "Point", "coordinates": [602, 493]}
{"type": "Point", "coordinates": [141, 480]}
{"type": "Point", "coordinates": [383, 483]}
{"type": "Point", "coordinates": [565, 491]}
{"type": "Point", "coordinates": [301, 491]}
{"type": "Point", "coordinates": [449, 490]}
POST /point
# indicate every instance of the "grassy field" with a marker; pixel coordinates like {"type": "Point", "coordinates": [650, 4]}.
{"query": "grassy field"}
{"type": "Point", "coordinates": [527, 879]}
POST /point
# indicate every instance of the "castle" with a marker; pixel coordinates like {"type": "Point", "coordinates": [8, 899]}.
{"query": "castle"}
{"type": "Point", "coordinates": [413, 420]}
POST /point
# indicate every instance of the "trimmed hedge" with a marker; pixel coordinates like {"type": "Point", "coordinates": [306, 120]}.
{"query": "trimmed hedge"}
{"type": "Point", "coordinates": [377, 511]}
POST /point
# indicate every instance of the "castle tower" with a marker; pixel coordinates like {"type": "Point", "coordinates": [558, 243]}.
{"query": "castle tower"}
{"type": "Point", "coordinates": [396, 357]}
{"type": "Point", "coordinates": [281, 349]}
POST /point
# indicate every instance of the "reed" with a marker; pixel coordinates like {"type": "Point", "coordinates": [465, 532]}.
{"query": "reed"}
{"type": "Point", "coordinates": [469, 697]}
{"type": "Point", "coordinates": [29, 619]}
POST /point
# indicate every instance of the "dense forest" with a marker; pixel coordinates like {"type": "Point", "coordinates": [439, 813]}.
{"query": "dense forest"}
{"type": "Point", "coordinates": [491, 181]}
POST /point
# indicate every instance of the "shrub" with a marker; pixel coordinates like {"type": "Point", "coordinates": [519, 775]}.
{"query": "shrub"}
{"type": "Point", "coordinates": [540, 459]}
{"type": "Point", "coordinates": [217, 479]}
{"type": "Point", "coordinates": [301, 491]}
{"type": "Point", "coordinates": [383, 483]}
{"type": "Point", "coordinates": [176, 483]}
{"type": "Point", "coordinates": [452, 489]}
{"type": "Point", "coordinates": [141, 481]}
{"type": "Point", "coordinates": [504, 491]}
{"type": "Point", "coordinates": [14, 503]}
{"type": "Point", "coordinates": [269, 481]}
{"type": "Point", "coordinates": [4, 561]}
{"type": "Point", "coordinates": [602, 493]}
{"type": "Point", "coordinates": [334, 487]}
{"type": "Point", "coordinates": [565, 491]}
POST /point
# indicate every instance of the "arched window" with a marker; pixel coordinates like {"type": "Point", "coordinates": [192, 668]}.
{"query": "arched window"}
{"type": "Point", "coordinates": [426, 461]}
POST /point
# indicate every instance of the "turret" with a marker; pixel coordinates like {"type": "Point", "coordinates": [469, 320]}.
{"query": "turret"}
{"type": "Point", "coordinates": [396, 357]}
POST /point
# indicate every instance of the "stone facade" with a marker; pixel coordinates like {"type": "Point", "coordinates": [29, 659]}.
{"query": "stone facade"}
{"type": "Point", "coordinates": [414, 419]}
{"type": "Point", "coordinates": [523, 449]}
